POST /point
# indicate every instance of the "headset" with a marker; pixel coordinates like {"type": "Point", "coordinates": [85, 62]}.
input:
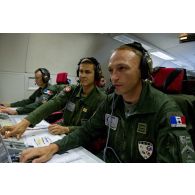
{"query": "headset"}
{"type": "Point", "coordinates": [91, 60]}
{"type": "Point", "coordinates": [146, 60]}
{"type": "Point", "coordinates": [45, 74]}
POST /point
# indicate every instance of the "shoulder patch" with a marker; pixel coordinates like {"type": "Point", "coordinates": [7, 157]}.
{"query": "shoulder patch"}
{"type": "Point", "coordinates": [67, 89]}
{"type": "Point", "coordinates": [177, 121]}
{"type": "Point", "coordinates": [49, 92]}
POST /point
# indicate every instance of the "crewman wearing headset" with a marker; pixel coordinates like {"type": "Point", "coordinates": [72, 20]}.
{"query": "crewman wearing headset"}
{"type": "Point", "coordinates": [79, 102]}
{"type": "Point", "coordinates": [40, 96]}
{"type": "Point", "coordinates": [142, 123]}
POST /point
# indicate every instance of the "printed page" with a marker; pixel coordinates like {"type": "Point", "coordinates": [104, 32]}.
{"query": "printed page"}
{"type": "Point", "coordinates": [40, 139]}
{"type": "Point", "coordinates": [42, 125]}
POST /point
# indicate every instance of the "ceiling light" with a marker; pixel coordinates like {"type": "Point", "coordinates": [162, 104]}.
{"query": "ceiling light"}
{"type": "Point", "coordinates": [182, 38]}
{"type": "Point", "coordinates": [126, 39]}
{"type": "Point", "coordinates": [162, 55]}
{"type": "Point", "coordinates": [123, 39]}
{"type": "Point", "coordinates": [186, 37]}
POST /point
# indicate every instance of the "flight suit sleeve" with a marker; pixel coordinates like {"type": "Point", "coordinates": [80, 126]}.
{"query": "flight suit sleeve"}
{"type": "Point", "coordinates": [47, 94]}
{"type": "Point", "coordinates": [25, 102]}
{"type": "Point", "coordinates": [56, 103]}
{"type": "Point", "coordinates": [84, 134]}
{"type": "Point", "coordinates": [174, 143]}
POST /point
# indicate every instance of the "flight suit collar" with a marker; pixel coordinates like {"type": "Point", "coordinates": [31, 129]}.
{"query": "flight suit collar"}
{"type": "Point", "coordinates": [46, 86]}
{"type": "Point", "coordinates": [144, 104]}
{"type": "Point", "coordinates": [88, 98]}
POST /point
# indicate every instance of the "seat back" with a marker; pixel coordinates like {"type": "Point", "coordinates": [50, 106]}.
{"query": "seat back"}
{"type": "Point", "coordinates": [169, 80]}
{"type": "Point", "coordinates": [61, 78]}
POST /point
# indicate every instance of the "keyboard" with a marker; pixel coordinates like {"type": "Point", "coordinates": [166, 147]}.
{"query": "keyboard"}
{"type": "Point", "coordinates": [4, 116]}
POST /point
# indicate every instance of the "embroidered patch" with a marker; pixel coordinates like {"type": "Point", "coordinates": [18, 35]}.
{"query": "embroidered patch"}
{"type": "Point", "coordinates": [178, 121]}
{"type": "Point", "coordinates": [142, 128]}
{"type": "Point", "coordinates": [67, 89]}
{"type": "Point", "coordinates": [49, 92]}
{"type": "Point", "coordinates": [187, 149]}
{"type": "Point", "coordinates": [145, 149]}
{"type": "Point", "coordinates": [84, 109]}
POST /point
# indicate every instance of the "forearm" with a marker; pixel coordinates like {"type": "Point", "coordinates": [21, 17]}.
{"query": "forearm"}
{"type": "Point", "coordinates": [54, 148]}
{"type": "Point", "coordinates": [68, 142]}
{"type": "Point", "coordinates": [21, 103]}
{"type": "Point", "coordinates": [28, 108]}
{"type": "Point", "coordinates": [44, 111]}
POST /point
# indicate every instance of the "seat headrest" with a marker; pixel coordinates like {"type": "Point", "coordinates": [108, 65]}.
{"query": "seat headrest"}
{"type": "Point", "coordinates": [61, 78]}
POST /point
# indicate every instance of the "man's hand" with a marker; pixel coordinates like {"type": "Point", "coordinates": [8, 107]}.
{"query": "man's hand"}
{"type": "Point", "coordinates": [58, 129]}
{"type": "Point", "coordinates": [9, 111]}
{"type": "Point", "coordinates": [2, 107]}
{"type": "Point", "coordinates": [15, 130]}
{"type": "Point", "coordinates": [38, 155]}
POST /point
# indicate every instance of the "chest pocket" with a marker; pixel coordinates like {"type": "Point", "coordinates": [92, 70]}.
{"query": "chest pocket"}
{"type": "Point", "coordinates": [145, 127]}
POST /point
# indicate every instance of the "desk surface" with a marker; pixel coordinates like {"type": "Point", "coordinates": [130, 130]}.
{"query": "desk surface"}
{"type": "Point", "coordinates": [37, 138]}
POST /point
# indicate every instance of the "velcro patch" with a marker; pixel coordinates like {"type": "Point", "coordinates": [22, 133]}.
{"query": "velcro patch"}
{"type": "Point", "coordinates": [49, 92]}
{"type": "Point", "coordinates": [145, 149]}
{"type": "Point", "coordinates": [178, 121]}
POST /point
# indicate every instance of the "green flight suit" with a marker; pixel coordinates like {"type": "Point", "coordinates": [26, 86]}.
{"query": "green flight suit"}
{"type": "Point", "coordinates": [40, 96]}
{"type": "Point", "coordinates": [77, 109]}
{"type": "Point", "coordinates": [148, 134]}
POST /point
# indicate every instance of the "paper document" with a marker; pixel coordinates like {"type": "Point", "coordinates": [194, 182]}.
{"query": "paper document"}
{"type": "Point", "coordinates": [76, 155]}
{"type": "Point", "coordinates": [40, 139]}
{"type": "Point", "coordinates": [42, 125]}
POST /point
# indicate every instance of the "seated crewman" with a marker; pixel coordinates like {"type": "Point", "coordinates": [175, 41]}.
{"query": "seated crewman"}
{"type": "Point", "coordinates": [40, 96]}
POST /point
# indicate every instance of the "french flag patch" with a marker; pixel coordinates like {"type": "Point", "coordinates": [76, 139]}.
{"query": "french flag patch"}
{"type": "Point", "coordinates": [48, 92]}
{"type": "Point", "coordinates": [178, 121]}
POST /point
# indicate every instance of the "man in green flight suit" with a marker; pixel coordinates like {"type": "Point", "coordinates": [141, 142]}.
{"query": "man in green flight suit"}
{"type": "Point", "coordinates": [142, 123]}
{"type": "Point", "coordinates": [40, 96]}
{"type": "Point", "coordinates": [79, 102]}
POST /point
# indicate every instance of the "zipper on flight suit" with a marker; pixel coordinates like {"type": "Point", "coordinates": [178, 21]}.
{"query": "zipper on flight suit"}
{"type": "Point", "coordinates": [79, 115]}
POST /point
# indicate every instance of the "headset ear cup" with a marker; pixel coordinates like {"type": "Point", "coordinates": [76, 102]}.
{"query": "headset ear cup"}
{"type": "Point", "coordinates": [99, 73]}
{"type": "Point", "coordinates": [45, 79]}
{"type": "Point", "coordinates": [45, 75]}
{"type": "Point", "coordinates": [146, 66]}
{"type": "Point", "coordinates": [78, 71]}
